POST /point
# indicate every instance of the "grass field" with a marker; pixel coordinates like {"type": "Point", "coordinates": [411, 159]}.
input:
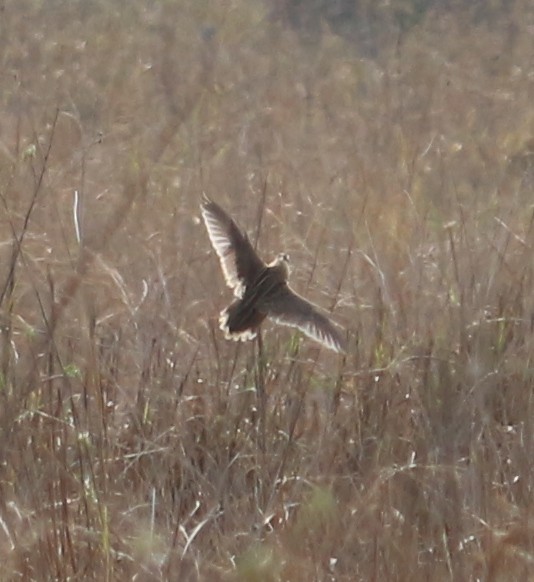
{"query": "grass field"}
{"type": "Point", "coordinates": [132, 446]}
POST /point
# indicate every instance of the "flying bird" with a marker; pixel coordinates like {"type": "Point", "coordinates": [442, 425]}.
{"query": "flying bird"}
{"type": "Point", "coordinates": [261, 290]}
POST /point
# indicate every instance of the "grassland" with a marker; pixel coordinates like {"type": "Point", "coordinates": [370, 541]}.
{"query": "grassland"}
{"type": "Point", "coordinates": [401, 184]}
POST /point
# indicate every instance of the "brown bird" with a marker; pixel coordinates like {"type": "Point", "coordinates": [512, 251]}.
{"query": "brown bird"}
{"type": "Point", "coordinates": [261, 290]}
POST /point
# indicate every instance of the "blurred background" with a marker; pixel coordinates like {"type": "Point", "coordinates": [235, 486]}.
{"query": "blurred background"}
{"type": "Point", "coordinates": [388, 147]}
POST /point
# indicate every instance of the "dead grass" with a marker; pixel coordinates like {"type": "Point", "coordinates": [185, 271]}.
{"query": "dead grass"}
{"type": "Point", "coordinates": [401, 186]}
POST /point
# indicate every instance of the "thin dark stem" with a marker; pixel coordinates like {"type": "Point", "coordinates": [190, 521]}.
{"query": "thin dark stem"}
{"type": "Point", "coordinates": [261, 212]}
{"type": "Point", "coordinates": [260, 391]}
{"type": "Point", "coordinates": [19, 239]}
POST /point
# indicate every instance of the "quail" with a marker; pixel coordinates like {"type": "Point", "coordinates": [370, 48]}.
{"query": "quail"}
{"type": "Point", "coordinates": [261, 290]}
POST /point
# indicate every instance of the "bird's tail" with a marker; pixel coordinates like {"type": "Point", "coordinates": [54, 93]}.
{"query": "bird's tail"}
{"type": "Point", "coordinates": [239, 321]}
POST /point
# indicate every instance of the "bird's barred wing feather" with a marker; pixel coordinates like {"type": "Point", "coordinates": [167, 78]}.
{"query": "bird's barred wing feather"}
{"type": "Point", "coordinates": [288, 308]}
{"type": "Point", "coordinates": [239, 261]}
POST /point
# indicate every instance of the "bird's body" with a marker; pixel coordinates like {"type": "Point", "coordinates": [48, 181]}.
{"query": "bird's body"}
{"type": "Point", "coordinates": [246, 314]}
{"type": "Point", "coordinates": [261, 290]}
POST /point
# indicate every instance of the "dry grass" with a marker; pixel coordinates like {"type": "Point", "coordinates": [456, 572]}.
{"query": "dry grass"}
{"type": "Point", "coordinates": [401, 186]}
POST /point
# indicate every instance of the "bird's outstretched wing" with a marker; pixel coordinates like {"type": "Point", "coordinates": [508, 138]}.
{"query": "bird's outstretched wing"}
{"type": "Point", "coordinates": [288, 308]}
{"type": "Point", "coordinates": [239, 261]}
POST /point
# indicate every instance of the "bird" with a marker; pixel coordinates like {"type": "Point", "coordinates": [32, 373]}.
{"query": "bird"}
{"type": "Point", "coordinates": [261, 290]}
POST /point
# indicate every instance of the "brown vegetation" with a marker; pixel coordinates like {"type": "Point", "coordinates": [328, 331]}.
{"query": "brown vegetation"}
{"type": "Point", "coordinates": [131, 447]}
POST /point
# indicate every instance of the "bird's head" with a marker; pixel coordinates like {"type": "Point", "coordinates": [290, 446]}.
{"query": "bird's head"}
{"type": "Point", "coordinates": [283, 258]}
{"type": "Point", "coordinates": [282, 263]}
